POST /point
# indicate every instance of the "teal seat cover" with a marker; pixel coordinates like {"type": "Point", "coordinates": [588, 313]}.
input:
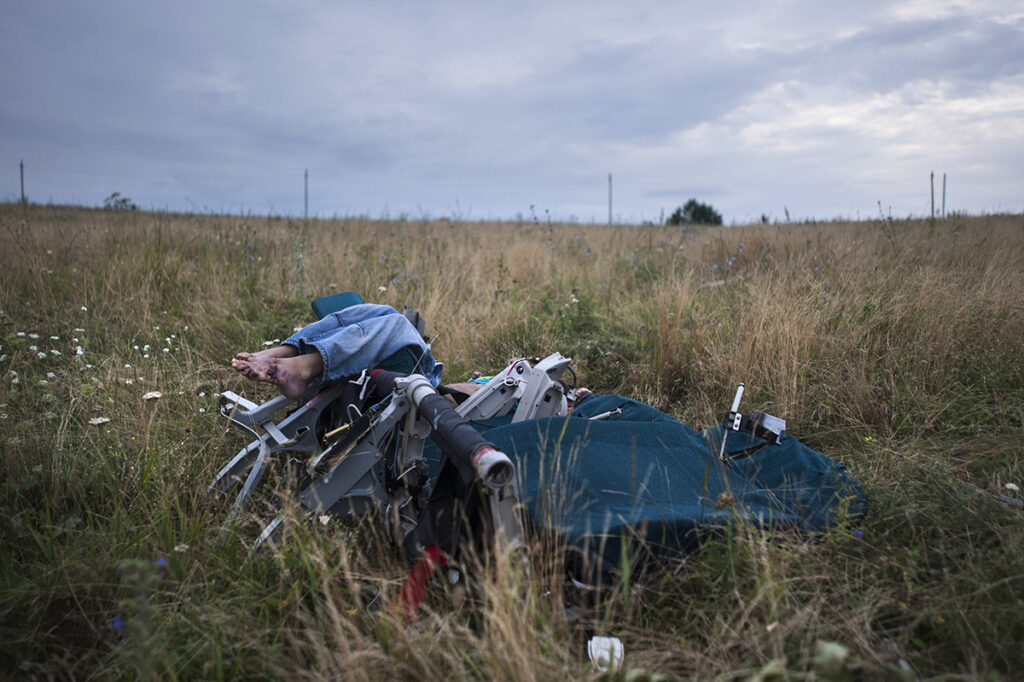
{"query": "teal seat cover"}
{"type": "Point", "coordinates": [325, 305]}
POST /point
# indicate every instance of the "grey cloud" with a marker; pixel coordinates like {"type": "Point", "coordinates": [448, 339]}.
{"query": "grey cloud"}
{"type": "Point", "coordinates": [412, 107]}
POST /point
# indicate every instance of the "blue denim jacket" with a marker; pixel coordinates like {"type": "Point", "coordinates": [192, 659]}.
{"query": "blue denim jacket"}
{"type": "Point", "coordinates": [359, 337]}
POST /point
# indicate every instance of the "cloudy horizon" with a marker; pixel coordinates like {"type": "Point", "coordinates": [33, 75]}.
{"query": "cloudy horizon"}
{"type": "Point", "coordinates": [470, 111]}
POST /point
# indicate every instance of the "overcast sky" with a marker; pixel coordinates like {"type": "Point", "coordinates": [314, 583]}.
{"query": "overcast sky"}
{"type": "Point", "coordinates": [479, 110]}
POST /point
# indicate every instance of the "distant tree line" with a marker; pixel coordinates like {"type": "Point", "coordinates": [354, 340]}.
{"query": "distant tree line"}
{"type": "Point", "coordinates": [694, 212]}
{"type": "Point", "coordinates": [116, 202]}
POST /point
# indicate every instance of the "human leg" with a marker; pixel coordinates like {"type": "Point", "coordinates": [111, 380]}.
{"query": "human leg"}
{"type": "Point", "coordinates": [363, 345]}
{"type": "Point", "coordinates": [291, 375]}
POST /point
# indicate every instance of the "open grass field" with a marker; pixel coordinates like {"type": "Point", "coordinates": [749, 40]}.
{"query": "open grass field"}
{"type": "Point", "coordinates": [896, 348]}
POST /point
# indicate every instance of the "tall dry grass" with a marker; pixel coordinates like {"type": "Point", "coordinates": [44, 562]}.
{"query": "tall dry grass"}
{"type": "Point", "coordinates": [894, 347]}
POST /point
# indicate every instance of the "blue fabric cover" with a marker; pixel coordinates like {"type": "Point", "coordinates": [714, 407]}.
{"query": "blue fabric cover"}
{"type": "Point", "coordinates": [644, 481]}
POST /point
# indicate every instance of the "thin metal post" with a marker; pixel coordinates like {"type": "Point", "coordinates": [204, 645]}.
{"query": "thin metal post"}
{"type": "Point", "coordinates": [305, 209]}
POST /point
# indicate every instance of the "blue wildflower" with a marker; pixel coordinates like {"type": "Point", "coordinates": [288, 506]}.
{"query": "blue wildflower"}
{"type": "Point", "coordinates": [586, 252]}
{"type": "Point", "coordinates": [161, 562]}
{"type": "Point", "coordinates": [715, 266]}
{"type": "Point", "coordinates": [383, 256]}
{"type": "Point", "coordinates": [741, 245]}
{"type": "Point", "coordinates": [117, 623]}
{"type": "Point", "coordinates": [858, 534]}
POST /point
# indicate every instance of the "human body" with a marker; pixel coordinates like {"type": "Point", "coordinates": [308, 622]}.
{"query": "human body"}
{"type": "Point", "coordinates": [343, 343]}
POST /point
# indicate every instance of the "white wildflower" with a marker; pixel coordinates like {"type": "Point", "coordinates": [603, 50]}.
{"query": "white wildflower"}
{"type": "Point", "coordinates": [167, 350]}
{"type": "Point", "coordinates": [181, 548]}
{"type": "Point", "coordinates": [54, 351]}
{"type": "Point", "coordinates": [202, 394]}
{"type": "Point", "coordinates": [21, 334]}
{"type": "Point", "coordinates": [79, 351]}
{"type": "Point", "coordinates": [51, 375]}
{"type": "Point", "coordinates": [382, 289]}
{"type": "Point", "coordinates": [96, 421]}
{"type": "Point", "coordinates": [153, 395]}
{"type": "Point", "coordinates": [186, 327]}
{"type": "Point", "coordinates": [3, 357]}
{"type": "Point", "coordinates": [54, 338]}
{"type": "Point", "coordinates": [84, 309]}
{"type": "Point", "coordinates": [146, 356]}
{"type": "Point", "coordinates": [33, 336]}
{"type": "Point", "coordinates": [268, 343]}
{"type": "Point", "coordinates": [202, 410]}
{"type": "Point", "coordinates": [33, 348]}
{"type": "Point", "coordinates": [145, 349]}
{"type": "Point", "coordinates": [127, 366]}
{"type": "Point", "coordinates": [1013, 487]}
{"type": "Point", "coordinates": [88, 366]}
{"type": "Point", "coordinates": [128, 382]}
{"type": "Point", "coordinates": [15, 379]}
{"type": "Point", "coordinates": [41, 355]}
{"type": "Point", "coordinates": [79, 329]}
{"type": "Point", "coordinates": [135, 347]}
{"type": "Point", "coordinates": [325, 519]}
{"type": "Point", "coordinates": [75, 340]}
{"type": "Point", "coordinates": [43, 382]}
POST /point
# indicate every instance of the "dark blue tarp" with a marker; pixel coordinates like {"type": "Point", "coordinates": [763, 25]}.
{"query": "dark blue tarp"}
{"type": "Point", "coordinates": [644, 481]}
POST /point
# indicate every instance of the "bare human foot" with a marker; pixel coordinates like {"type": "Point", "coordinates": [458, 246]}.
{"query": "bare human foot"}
{"type": "Point", "coordinates": [291, 375]}
{"type": "Point", "coordinates": [276, 352]}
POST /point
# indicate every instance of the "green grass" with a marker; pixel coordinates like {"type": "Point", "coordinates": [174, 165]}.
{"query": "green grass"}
{"type": "Point", "coordinates": [897, 349]}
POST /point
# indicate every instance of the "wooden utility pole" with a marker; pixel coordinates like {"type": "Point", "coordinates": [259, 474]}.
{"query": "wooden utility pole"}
{"type": "Point", "coordinates": [305, 203]}
{"type": "Point", "coordinates": [943, 195]}
{"type": "Point", "coordinates": [933, 194]}
{"type": "Point", "coordinates": [21, 167]}
{"type": "Point", "coordinates": [609, 198]}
